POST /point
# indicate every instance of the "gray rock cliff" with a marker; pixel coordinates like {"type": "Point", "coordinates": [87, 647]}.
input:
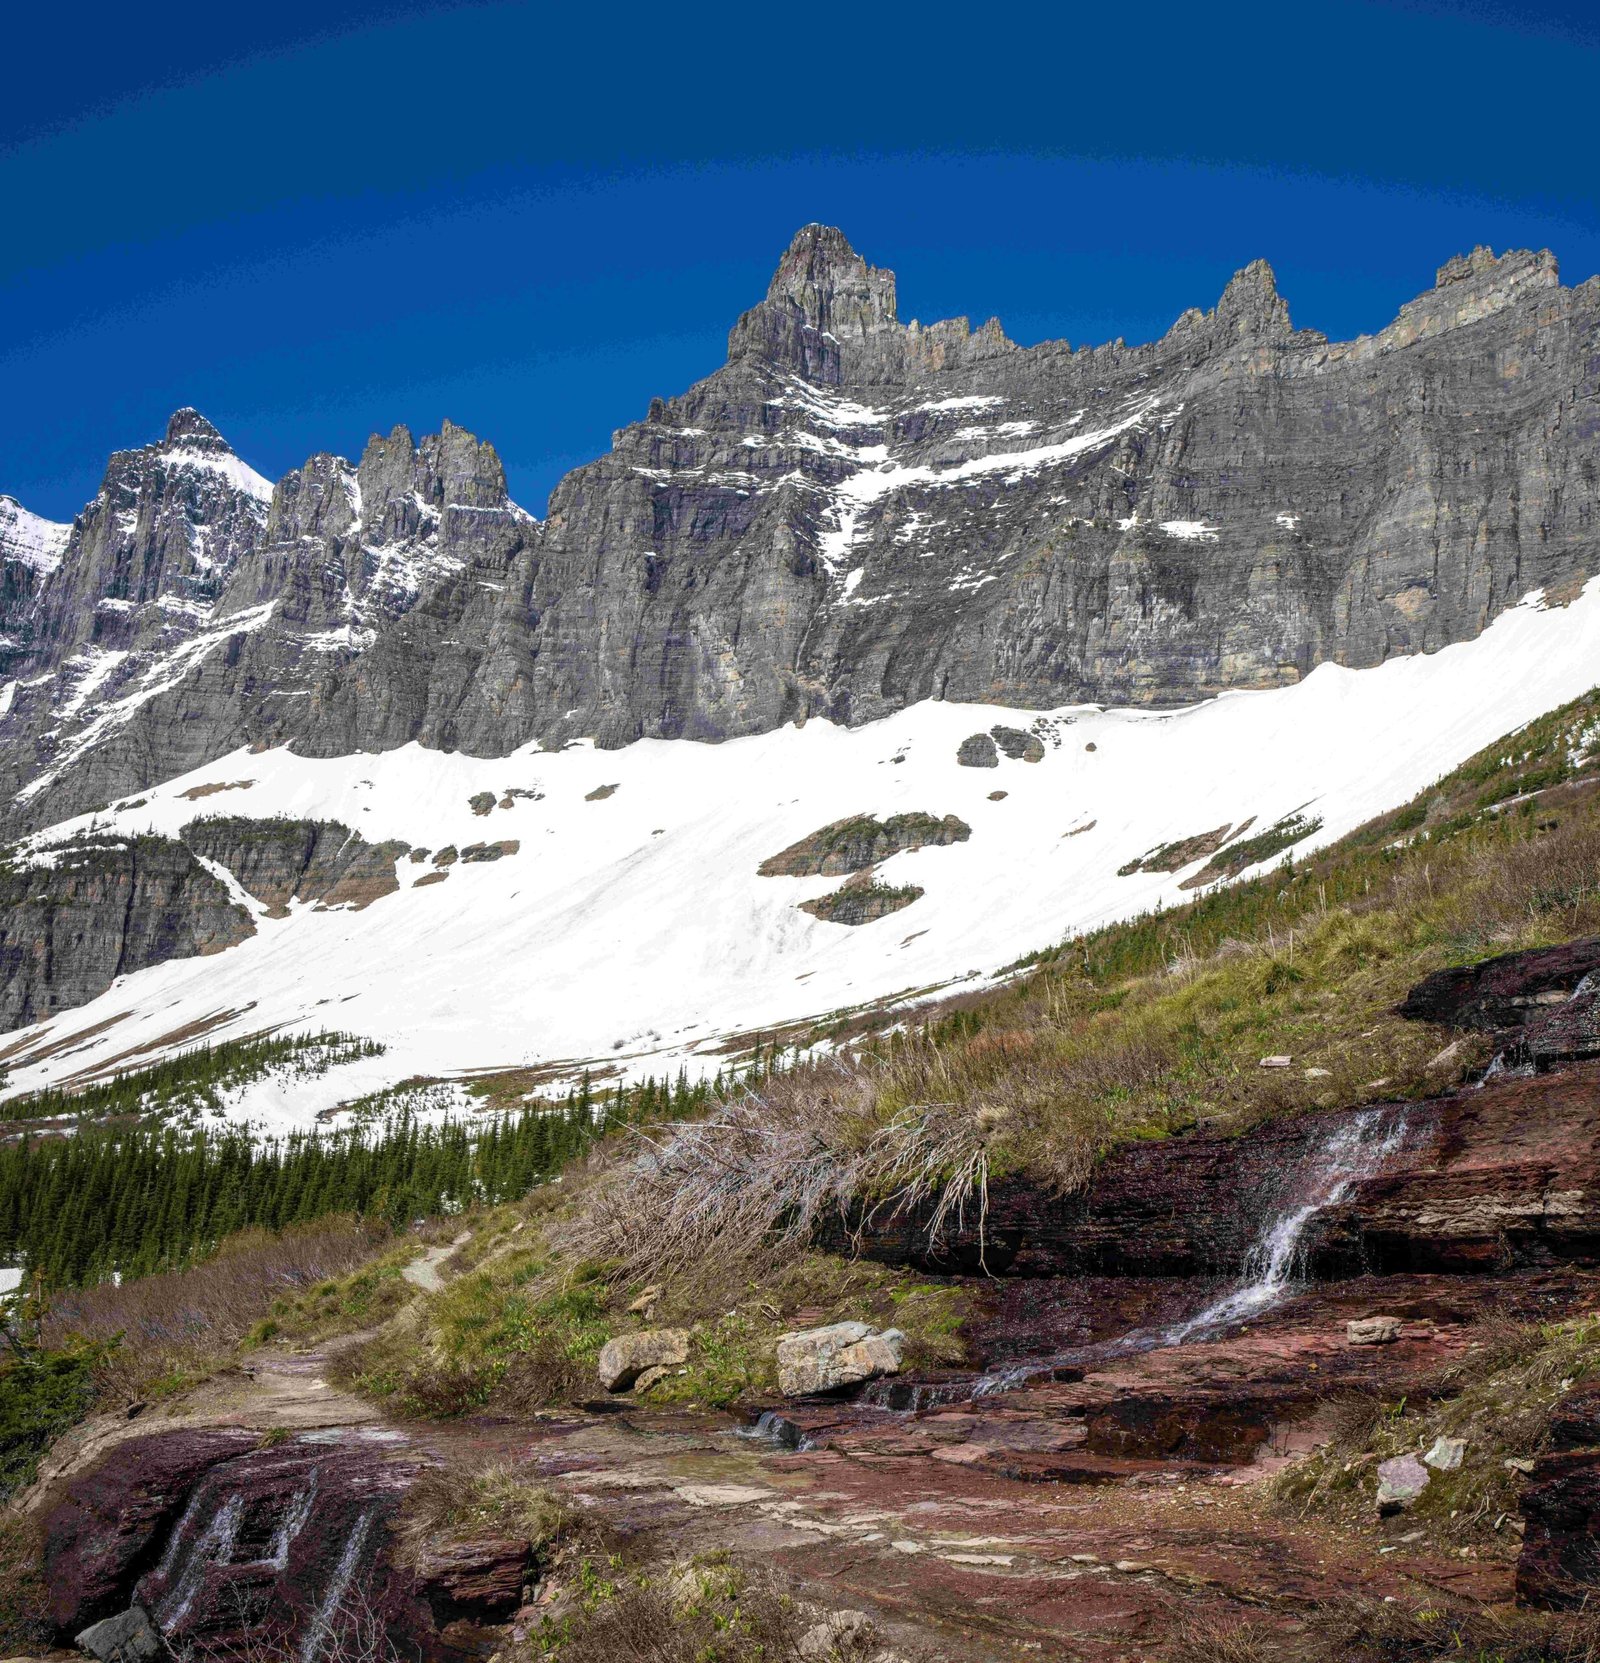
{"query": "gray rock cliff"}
{"type": "Point", "coordinates": [851, 515]}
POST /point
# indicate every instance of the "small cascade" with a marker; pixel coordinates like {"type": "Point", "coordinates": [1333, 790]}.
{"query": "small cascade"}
{"type": "Point", "coordinates": [277, 1550]}
{"type": "Point", "coordinates": [214, 1545]}
{"type": "Point", "coordinates": [1560, 1033]}
{"type": "Point", "coordinates": [772, 1426]}
{"type": "Point", "coordinates": [1351, 1153]}
{"type": "Point", "coordinates": [292, 1523]}
{"type": "Point", "coordinates": [330, 1607]}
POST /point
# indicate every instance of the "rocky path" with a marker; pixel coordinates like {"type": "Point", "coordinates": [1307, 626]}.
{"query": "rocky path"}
{"type": "Point", "coordinates": [1084, 1513]}
{"type": "Point", "coordinates": [424, 1272]}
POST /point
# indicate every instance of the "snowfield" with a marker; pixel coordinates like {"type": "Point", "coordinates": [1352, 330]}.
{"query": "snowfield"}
{"type": "Point", "coordinates": [633, 930]}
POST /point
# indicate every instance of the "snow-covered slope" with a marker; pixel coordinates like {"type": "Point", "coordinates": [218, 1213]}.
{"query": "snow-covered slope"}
{"type": "Point", "coordinates": [36, 542]}
{"type": "Point", "coordinates": [631, 926]}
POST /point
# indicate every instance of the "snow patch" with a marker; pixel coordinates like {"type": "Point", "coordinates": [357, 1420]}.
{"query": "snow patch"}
{"type": "Point", "coordinates": [240, 475]}
{"type": "Point", "coordinates": [1190, 531]}
{"type": "Point", "coordinates": [26, 537]}
{"type": "Point", "coordinates": [165, 672]}
{"type": "Point", "coordinates": [973, 401]}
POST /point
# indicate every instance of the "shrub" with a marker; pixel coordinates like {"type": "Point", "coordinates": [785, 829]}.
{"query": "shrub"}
{"type": "Point", "coordinates": [42, 1394]}
{"type": "Point", "coordinates": [25, 1626]}
{"type": "Point", "coordinates": [167, 1330]}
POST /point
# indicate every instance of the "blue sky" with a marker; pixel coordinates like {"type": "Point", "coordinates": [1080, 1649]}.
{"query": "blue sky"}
{"type": "Point", "coordinates": [313, 221]}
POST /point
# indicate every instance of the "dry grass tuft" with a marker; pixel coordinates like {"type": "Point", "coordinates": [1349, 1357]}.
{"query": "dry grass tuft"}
{"type": "Point", "coordinates": [496, 1499]}
{"type": "Point", "coordinates": [707, 1612]}
{"type": "Point", "coordinates": [754, 1182]}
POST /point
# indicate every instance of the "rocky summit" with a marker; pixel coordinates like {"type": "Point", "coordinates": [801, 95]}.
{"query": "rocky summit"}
{"type": "Point", "coordinates": [852, 515]}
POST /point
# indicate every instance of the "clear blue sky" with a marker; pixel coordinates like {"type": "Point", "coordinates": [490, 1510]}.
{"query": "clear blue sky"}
{"type": "Point", "coordinates": [312, 221]}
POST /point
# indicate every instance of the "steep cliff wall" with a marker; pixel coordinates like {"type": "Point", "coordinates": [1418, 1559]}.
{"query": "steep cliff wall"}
{"type": "Point", "coordinates": [852, 515]}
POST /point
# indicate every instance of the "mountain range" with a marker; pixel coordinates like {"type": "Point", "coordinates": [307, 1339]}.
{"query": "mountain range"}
{"type": "Point", "coordinates": [951, 547]}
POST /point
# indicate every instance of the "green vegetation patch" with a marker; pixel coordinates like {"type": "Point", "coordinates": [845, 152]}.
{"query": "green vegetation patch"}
{"type": "Point", "coordinates": [1238, 857]}
{"type": "Point", "coordinates": [525, 1330]}
{"type": "Point", "coordinates": [132, 1200]}
{"type": "Point", "coordinates": [1172, 857]}
{"type": "Point", "coordinates": [1497, 1402]}
{"type": "Point", "coordinates": [43, 1393]}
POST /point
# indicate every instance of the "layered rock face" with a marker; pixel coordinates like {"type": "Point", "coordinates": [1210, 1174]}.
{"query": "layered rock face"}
{"type": "Point", "coordinates": [100, 910]}
{"type": "Point", "coordinates": [193, 604]}
{"type": "Point", "coordinates": [75, 918]}
{"type": "Point", "coordinates": [851, 515]}
{"type": "Point", "coordinates": [1491, 1177]}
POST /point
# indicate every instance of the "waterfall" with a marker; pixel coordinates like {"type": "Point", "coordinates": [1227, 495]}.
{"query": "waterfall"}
{"type": "Point", "coordinates": [292, 1523]}
{"type": "Point", "coordinates": [327, 1613]}
{"type": "Point", "coordinates": [1349, 1154]}
{"type": "Point", "coordinates": [214, 1545]}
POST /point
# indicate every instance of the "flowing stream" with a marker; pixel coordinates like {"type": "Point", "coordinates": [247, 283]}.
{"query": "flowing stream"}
{"type": "Point", "coordinates": [1352, 1152]}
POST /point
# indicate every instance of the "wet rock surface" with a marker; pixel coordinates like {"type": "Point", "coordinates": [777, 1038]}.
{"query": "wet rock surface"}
{"type": "Point", "coordinates": [1560, 1564]}
{"type": "Point", "coordinates": [1077, 1493]}
{"type": "Point", "coordinates": [101, 1534]}
{"type": "Point", "coordinates": [1503, 992]}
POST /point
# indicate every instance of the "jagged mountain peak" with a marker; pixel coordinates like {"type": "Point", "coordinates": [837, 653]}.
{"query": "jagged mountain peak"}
{"type": "Point", "coordinates": [27, 537]}
{"type": "Point", "coordinates": [187, 427]}
{"type": "Point", "coordinates": [1250, 310]}
{"type": "Point", "coordinates": [833, 286]}
{"type": "Point", "coordinates": [1540, 264]}
{"type": "Point", "coordinates": [1252, 303]}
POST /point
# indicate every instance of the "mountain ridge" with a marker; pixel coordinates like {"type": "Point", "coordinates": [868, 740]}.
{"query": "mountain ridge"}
{"type": "Point", "coordinates": [847, 517]}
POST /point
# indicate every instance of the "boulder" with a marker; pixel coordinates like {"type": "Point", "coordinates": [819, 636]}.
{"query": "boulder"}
{"type": "Point", "coordinates": [483, 1578]}
{"type": "Point", "coordinates": [977, 750]}
{"type": "Point", "coordinates": [1447, 1454]}
{"type": "Point", "coordinates": [129, 1637]}
{"type": "Point", "coordinates": [625, 1358]}
{"type": "Point", "coordinates": [1372, 1331]}
{"type": "Point", "coordinates": [841, 1354]}
{"type": "Point", "coordinates": [1019, 745]}
{"type": "Point", "coordinates": [1575, 1420]}
{"type": "Point", "coordinates": [1400, 1482]}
